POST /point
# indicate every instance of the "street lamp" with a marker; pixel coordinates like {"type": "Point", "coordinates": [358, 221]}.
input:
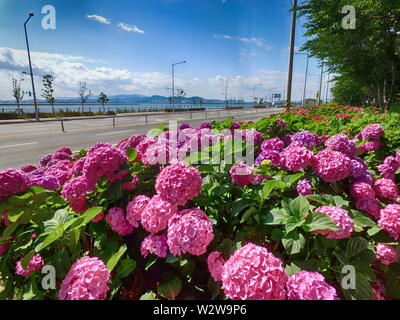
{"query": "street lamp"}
{"type": "Point", "coordinates": [30, 68]}
{"type": "Point", "coordinates": [173, 84]}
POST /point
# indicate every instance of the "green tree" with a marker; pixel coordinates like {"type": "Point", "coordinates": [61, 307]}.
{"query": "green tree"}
{"type": "Point", "coordinates": [103, 100]}
{"type": "Point", "coordinates": [48, 91]}
{"type": "Point", "coordinates": [84, 93]}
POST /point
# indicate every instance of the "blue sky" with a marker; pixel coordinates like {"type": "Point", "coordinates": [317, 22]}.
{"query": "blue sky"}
{"type": "Point", "coordinates": [123, 47]}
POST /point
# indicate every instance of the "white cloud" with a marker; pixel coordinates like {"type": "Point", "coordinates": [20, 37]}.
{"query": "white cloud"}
{"type": "Point", "coordinates": [129, 28]}
{"type": "Point", "coordinates": [98, 18]}
{"type": "Point", "coordinates": [259, 42]}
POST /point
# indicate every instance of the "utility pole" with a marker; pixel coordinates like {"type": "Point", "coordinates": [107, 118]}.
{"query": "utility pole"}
{"type": "Point", "coordinates": [327, 89]}
{"type": "Point", "coordinates": [226, 92]}
{"type": "Point", "coordinates": [30, 68]}
{"type": "Point", "coordinates": [320, 84]}
{"type": "Point", "coordinates": [305, 83]}
{"type": "Point", "coordinates": [173, 84]}
{"type": "Point", "coordinates": [291, 55]}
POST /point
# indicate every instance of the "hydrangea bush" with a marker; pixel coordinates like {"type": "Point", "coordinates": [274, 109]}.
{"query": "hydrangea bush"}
{"type": "Point", "coordinates": [181, 214]}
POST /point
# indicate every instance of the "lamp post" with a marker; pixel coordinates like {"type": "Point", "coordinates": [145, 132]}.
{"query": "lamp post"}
{"type": "Point", "coordinates": [30, 68]}
{"type": "Point", "coordinates": [173, 84]}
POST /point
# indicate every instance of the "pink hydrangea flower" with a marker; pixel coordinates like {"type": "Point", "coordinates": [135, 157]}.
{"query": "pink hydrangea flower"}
{"type": "Point", "coordinates": [61, 170]}
{"type": "Point", "coordinates": [331, 165]}
{"type": "Point", "coordinates": [306, 285]}
{"type": "Point", "coordinates": [78, 166]}
{"type": "Point", "coordinates": [179, 183]}
{"type": "Point", "coordinates": [386, 188]}
{"type": "Point", "coordinates": [242, 174]}
{"type": "Point", "coordinates": [12, 182]}
{"type": "Point", "coordinates": [45, 181]}
{"type": "Point", "coordinates": [390, 220]}
{"type": "Point", "coordinates": [272, 144]}
{"type": "Point", "coordinates": [86, 280]}
{"type": "Point", "coordinates": [64, 149]}
{"type": "Point", "coordinates": [45, 160]}
{"type": "Point", "coordinates": [341, 219]}
{"type": "Point", "coordinates": [61, 156]}
{"type": "Point", "coordinates": [156, 214]}
{"type": "Point", "coordinates": [341, 143]}
{"type": "Point", "coordinates": [117, 221]}
{"type": "Point", "coordinates": [28, 168]}
{"type": "Point", "coordinates": [372, 131]}
{"type": "Point", "coordinates": [379, 290]}
{"type": "Point", "coordinates": [75, 188]}
{"type": "Point", "coordinates": [189, 231]}
{"type": "Point", "coordinates": [215, 265]}
{"type": "Point", "coordinates": [35, 264]}
{"type": "Point", "coordinates": [99, 217]}
{"type": "Point", "coordinates": [386, 254]}
{"type": "Point", "coordinates": [157, 153]}
{"type": "Point", "coordinates": [361, 191]}
{"type": "Point", "coordinates": [358, 167]}
{"type": "Point", "coordinates": [370, 205]}
{"type": "Point", "coordinates": [369, 146]}
{"type": "Point", "coordinates": [156, 244]}
{"type": "Point", "coordinates": [304, 188]}
{"type": "Point", "coordinates": [308, 138]}
{"type": "Point", "coordinates": [271, 155]}
{"type": "Point", "coordinates": [253, 273]}
{"type": "Point", "coordinates": [296, 157]}
{"type": "Point", "coordinates": [134, 210]}
{"type": "Point", "coordinates": [129, 186]}
{"type": "Point", "coordinates": [260, 178]}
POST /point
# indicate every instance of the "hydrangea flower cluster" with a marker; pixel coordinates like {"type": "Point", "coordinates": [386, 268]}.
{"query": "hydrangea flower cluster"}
{"type": "Point", "coordinates": [369, 146]}
{"type": "Point", "coordinates": [306, 285]}
{"type": "Point", "coordinates": [215, 265]}
{"type": "Point", "coordinates": [372, 131]}
{"type": "Point", "coordinates": [271, 155]}
{"type": "Point", "coordinates": [135, 208]}
{"type": "Point", "coordinates": [341, 143]}
{"type": "Point", "coordinates": [280, 123]}
{"type": "Point", "coordinates": [253, 273]}
{"type": "Point", "coordinates": [157, 213]}
{"type": "Point", "coordinates": [389, 167]}
{"type": "Point", "coordinates": [341, 219]}
{"type": "Point", "coordinates": [272, 144]}
{"type": "Point", "coordinates": [86, 280]}
{"type": "Point", "coordinates": [156, 244]}
{"type": "Point", "coordinates": [179, 183]}
{"type": "Point", "coordinates": [45, 181]}
{"type": "Point", "coordinates": [189, 231]}
{"type": "Point", "coordinates": [331, 165]}
{"type": "Point", "coordinates": [385, 188]}
{"type": "Point", "coordinates": [12, 182]}
{"type": "Point", "coordinates": [35, 264]}
{"type": "Point", "coordinates": [358, 167]}
{"type": "Point", "coordinates": [296, 157]}
{"type": "Point", "coordinates": [304, 187]}
{"type": "Point", "coordinates": [390, 220]}
{"type": "Point", "coordinates": [118, 222]}
{"type": "Point", "coordinates": [242, 174]}
{"type": "Point", "coordinates": [386, 254]}
{"type": "Point", "coordinates": [28, 168]}
{"type": "Point", "coordinates": [308, 138]}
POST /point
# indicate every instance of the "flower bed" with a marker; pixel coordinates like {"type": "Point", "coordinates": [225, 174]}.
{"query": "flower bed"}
{"type": "Point", "coordinates": [184, 215]}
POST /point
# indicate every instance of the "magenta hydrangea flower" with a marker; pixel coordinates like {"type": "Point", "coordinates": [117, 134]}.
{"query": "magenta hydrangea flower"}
{"type": "Point", "coordinates": [130, 142]}
{"type": "Point", "coordinates": [45, 160]}
{"type": "Point", "coordinates": [358, 167]}
{"type": "Point", "coordinates": [156, 214]}
{"type": "Point", "coordinates": [205, 125]}
{"type": "Point", "coordinates": [386, 254]}
{"type": "Point", "coordinates": [370, 205]}
{"type": "Point", "coordinates": [296, 157]}
{"type": "Point", "coordinates": [341, 143]}
{"type": "Point", "coordinates": [78, 166]}
{"type": "Point", "coordinates": [156, 244]}
{"type": "Point", "coordinates": [242, 174]}
{"type": "Point", "coordinates": [372, 131]}
{"type": "Point", "coordinates": [185, 126]}
{"type": "Point", "coordinates": [362, 191]}
{"type": "Point", "coordinates": [45, 181]}
{"type": "Point", "coordinates": [389, 167]}
{"type": "Point", "coordinates": [369, 146]}
{"type": "Point", "coordinates": [378, 289]}
{"type": "Point", "coordinates": [235, 126]}
{"type": "Point", "coordinates": [103, 161]}
{"type": "Point", "coordinates": [178, 183]}
{"type": "Point", "coordinates": [271, 155]}
{"type": "Point", "coordinates": [156, 154]}
{"type": "Point", "coordinates": [331, 165]}
{"type": "Point", "coordinates": [306, 285]}
{"type": "Point", "coordinates": [252, 136]}
{"type": "Point", "coordinates": [117, 221]}
{"type": "Point", "coordinates": [308, 138]}
{"type": "Point", "coordinates": [260, 178]}
{"type": "Point", "coordinates": [135, 208]}
{"type": "Point", "coordinates": [390, 220]}
{"type": "Point", "coordinates": [75, 188]}
{"type": "Point", "coordinates": [365, 177]}
{"type": "Point", "coordinates": [61, 170]}
{"type": "Point", "coordinates": [35, 264]}
{"type": "Point", "coordinates": [386, 188]}
{"type": "Point", "coordinates": [304, 187]}
{"type": "Point", "coordinates": [12, 182]}
{"type": "Point", "coordinates": [272, 144]}
{"type": "Point", "coordinates": [280, 123]}
{"type": "Point", "coordinates": [98, 218]}
{"type": "Point", "coordinates": [64, 149]}
{"type": "Point", "coordinates": [215, 265]}
{"type": "Point", "coordinates": [129, 186]}
{"type": "Point", "coordinates": [61, 156]}
{"type": "Point", "coordinates": [189, 231]}
{"type": "Point", "coordinates": [28, 168]}
{"type": "Point", "coordinates": [86, 280]}
{"type": "Point", "coordinates": [253, 273]}
{"type": "Point", "coordinates": [341, 219]}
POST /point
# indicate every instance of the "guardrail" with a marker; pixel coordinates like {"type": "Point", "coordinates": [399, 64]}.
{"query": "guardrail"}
{"type": "Point", "coordinates": [190, 113]}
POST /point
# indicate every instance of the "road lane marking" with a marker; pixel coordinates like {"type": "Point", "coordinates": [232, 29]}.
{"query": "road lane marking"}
{"type": "Point", "coordinates": [18, 145]}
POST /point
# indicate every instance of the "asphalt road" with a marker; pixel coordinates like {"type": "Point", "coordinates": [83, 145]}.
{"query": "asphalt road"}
{"type": "Point", "coordinates": [22, 143]}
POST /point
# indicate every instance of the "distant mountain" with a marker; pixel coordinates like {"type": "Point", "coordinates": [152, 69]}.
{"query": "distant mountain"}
{"type": "Point", "coordinates": [123, 98]}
